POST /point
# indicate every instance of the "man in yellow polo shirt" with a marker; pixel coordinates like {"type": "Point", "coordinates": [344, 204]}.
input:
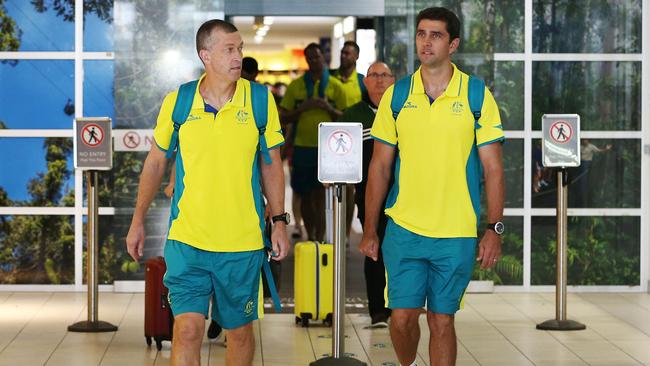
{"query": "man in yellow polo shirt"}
{"type": "Point", "coordinates": [215, 243]}
{"type": "Point", "coordinates": [347, 73]}
{"type": "Point", "coordinates": [309, 100]}
{"type": "Point", "coordinates": [433, 207]}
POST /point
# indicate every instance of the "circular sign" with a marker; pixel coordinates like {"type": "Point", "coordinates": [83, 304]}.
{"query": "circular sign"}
{"type": "Point", "coordinates": [340, 142]}
{"type": "Point", "coordinates": [561, 132]}
{"type": "Point", "coordinates": [92, 135]}
{"type": "Point", "coordinates": [131, 140]}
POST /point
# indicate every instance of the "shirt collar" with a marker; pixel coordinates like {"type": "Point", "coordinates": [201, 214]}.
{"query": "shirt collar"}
{"type": "Point", "coordinates": [238, 99]}
{"type": "Point", "coordinates": [453, 88]}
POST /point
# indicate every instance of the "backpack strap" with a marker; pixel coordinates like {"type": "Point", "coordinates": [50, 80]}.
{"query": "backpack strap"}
{"type": "Point", "coordinates": [475, 95]}
{"type": "Point", "coordinates": [309, 83]}
{"type": "Point", "coordinates": [181, 111]}
{"type": "Point", "coordinates": [362, 86]}
{"type": "Point", "coordinates": [260, 101]}
{"type": "Point", "coordinates": [401, 91]}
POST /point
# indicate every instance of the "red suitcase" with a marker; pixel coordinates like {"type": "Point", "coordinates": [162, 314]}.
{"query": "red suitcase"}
{"type": "Point", "coordinates": [158, 318]}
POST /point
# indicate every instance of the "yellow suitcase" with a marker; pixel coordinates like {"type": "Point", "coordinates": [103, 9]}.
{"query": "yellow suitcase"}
{"type": "Point", "coordinates": [314, 282]}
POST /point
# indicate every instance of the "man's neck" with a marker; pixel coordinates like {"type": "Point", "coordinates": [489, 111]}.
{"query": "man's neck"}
{"type": "Point", "coordinates": [217, 91]}
{"type": "Point", "coordinates": [316, 74]}
{"type": "Point", "coordinates": [345, 72]}
{"type": "Point", "coordinates": [436, 78]}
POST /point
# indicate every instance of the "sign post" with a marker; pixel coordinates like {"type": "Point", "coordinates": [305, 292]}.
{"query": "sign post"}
{"type": "Point", "coordinates": [339, 163]}
{"type": "Point", "coordinates": [561, 148]}
{"type": "Point", "coordinates": [92, 152]}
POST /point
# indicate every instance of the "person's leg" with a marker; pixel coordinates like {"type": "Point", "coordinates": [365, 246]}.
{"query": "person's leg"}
{"type": "Point", "coordinates": [375, 273]}
{"type": "Point", "coordinates": [317, 196]}
{"type": "Point", "coordinates": [307, 209]}
{"type": "Point", "coordinates": [349, 208]}
{"type": "Point", "coordinates": [241, 346]}
{"type": "Point", "coordinates": [442, 341]}
{"type": "Point", "coordinates": [188, 334]}
{"type": "Point", "coordinates": [405, 334]}
{"type": "Point", "coordinates": [297, 214]}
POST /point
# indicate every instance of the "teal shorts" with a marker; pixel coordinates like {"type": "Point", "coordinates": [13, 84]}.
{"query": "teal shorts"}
{"type": "Point", "coordinates": [194, 275]}
{"type": "Point", "coordinates": [420, 268]}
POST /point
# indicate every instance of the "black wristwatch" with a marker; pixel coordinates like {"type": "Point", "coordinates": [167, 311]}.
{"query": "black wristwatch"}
{"type": "Point", "coordinates": [497, 227]}
{"type": "Point", "coordinates": [285, 217]}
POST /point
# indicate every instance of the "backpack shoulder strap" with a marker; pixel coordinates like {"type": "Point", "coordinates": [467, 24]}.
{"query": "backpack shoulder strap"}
{"type": "Point", "coordinates": [260, 103]}
{"type": "Point", "coordinates": [362, 86]}
{"type": "Point", "coordinates": [475, 96]}
{"type": "Point", "coordinates": [401, 91]}
{"type": "Point", "coordinates": [181, 111]}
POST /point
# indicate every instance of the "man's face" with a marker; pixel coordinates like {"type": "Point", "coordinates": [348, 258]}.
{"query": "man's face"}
{"type": "Point", "coordinates": [224, 54]}
{"type": "Point", "coordinates": [379, 78]}
{"type": "Point", "coordinates": [315, 59]}
{"type": "Point", "coordinates": [349, 56]}
{"type": "Point", "coordinates": [432, 43]}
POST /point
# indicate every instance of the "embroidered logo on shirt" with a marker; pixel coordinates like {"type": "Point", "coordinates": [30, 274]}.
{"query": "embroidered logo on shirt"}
{"type": "Point", "coordinates": [409, 105]}
{"type": "Point", "coordinates": [242, 116]}
{"type": "Point", "coordinates": [192, 117]}
{"type": "Point", "coordinates": [457, 107]}
{"type": "Point", "coordinates": [248, 310]}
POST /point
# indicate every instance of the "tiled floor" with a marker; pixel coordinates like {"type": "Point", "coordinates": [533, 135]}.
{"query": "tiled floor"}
{"type": "Point", "coordinates": [494, 329]}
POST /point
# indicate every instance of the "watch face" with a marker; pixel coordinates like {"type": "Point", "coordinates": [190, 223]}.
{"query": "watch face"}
{"type": "Point", "coordinates": [288, 216]}
{"type": "Point", "coordinates": [499, 228]}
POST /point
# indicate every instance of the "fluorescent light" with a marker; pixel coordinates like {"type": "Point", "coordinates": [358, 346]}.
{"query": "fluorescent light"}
{"type": "Point", "coordinates": [258, 39]}
{"type": "Point", "coordinates": [268, 20]}
{"type": "Point", "coordinates": [261, 32]}
{"type": "Point", "coordinates": [338, 30]}
{"type": "Point", "coordinates": [265, 28]}
{"type": "Point", "coordinates": [348, 25]}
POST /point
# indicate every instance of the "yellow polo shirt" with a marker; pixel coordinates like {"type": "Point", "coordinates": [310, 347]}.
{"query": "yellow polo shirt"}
{"type": "Point", "coordinates": [437, 157]}
{"type": "Point", "coordinates": [306, 133]}
{"type": "Point", "coordinates": [217, 171]}
{"type": "Point", "coordinates": [351, 87]}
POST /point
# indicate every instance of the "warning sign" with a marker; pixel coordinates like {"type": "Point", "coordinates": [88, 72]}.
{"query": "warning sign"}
{"type": "Point", "coordinates": [340, 142]}
{"type": "Point", "coordinates": [93, 148]}
{"type": "Point", "coordinates": [561, 132]}
{"type": "Point", "coordinates": [133, 140]}
{"type": "Point", "coordinates": [92, 134]}
{"type": "Point", "coordinates": [340, 152]}
{"type": "Point", "coordinates": [561, 140]}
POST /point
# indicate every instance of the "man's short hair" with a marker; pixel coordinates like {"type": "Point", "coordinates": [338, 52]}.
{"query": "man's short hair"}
{"type": "Point", "coordinates": [312, 46]}
{"type": "Point", "coordinates": [444, 15]}
{"type": "Point", "coordinates": [203, 35]}
{"type": "Point", "coordinates": [249, 65]}
{"type": "Point", "coordinates": [352, 44]}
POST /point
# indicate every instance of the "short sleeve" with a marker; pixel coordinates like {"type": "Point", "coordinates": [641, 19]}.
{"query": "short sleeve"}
{"type": "Point", "coordinates": [490, 130]}
{"type": "Point", "coordinates": [384, 128]}
{"type": "Point", "coordinates": [162, 133]}
{"type": "Point", "coordinates": [289, 100]}
{"type": "Point", "coordinates": [273, 135]}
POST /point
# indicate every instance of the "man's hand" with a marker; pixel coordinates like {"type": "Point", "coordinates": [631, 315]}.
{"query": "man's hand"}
{"type": "Point", "coordinates": [135, 241]}
{"type": "Point", "coordinates": [280, 241]}
{"type": "Point", "coordinates": [369, 246]}
{"type": "Point", "coordinates": [489, 250]}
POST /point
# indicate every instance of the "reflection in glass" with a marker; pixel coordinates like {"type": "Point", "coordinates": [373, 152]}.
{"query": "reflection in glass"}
{"type": "Point", "coordinates": [509, 270]}
{"type": "Point", "coordinates": [601, 251]}
{"type": "Point", "coordinates": [606, 95]}
{"type": "Point", "coordinates": [98, 26]}
{"type": "Point", "coordinates": [36, 249]}
{"type": "Point", "coordinates": [29, 84]}
{"type": "Point", "coordinates": [609, 176]}
{"type": "Point", "coordinates": [36, 172]}
{"type": "Point", "coordinates": [596, 26]}
{"type": "Point", "coordinates": [98, 89]}
{"type": "Point", "coordinates": [38, 25]}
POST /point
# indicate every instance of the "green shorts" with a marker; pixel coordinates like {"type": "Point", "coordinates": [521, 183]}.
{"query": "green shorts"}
{"type": "Point", "coordinates": [194, 275]}
{"type": "Point", "coordinates": [420, 268]}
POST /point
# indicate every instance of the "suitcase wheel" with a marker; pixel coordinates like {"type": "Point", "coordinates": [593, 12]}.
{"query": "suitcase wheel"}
{"type": "Point", "coordinates": [304, 319]}
{"type": "Point", "coordinates": [328, 320]}
{"type": "Point", "coordinates": [158, 344]}
{"type": "Point", "coordinates": [148, 341]}
{"type": "Point", "coordinates": [297, 320]}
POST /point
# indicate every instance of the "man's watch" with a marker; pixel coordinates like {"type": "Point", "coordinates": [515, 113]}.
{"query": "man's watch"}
{"type": "Point", "coordinates": [497, 227]}
{"type": "Point", "coordinates": [285, 217]}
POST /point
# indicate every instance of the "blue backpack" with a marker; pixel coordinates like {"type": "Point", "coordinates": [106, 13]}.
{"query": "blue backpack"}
{"type": "Point", "coordinates": [259, 100]}
{"type": "Point", "coordinates": [475, 96]}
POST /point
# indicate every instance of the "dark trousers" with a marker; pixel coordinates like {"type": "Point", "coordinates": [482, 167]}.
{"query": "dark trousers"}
{"type": "Point", "coordinates": [375, 274]}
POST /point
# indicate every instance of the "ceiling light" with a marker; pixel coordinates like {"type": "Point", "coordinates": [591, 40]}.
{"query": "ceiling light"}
{"type": "Point", "coordinates": [338, 30]}
{"type": "Point", "coordinates": [268, 20]}
{"type": "Point", "coordinates": [258, 39]}
{"type": "Point", "coordinates": [348, 25]}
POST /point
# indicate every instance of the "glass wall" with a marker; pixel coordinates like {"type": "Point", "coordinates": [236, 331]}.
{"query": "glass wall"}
{"type": "Point", "coordinates": [584, 57]}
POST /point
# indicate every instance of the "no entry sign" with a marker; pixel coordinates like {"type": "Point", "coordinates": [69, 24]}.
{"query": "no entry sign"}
{"type": "Point", "coordinates": [93, 148]}
{"type": "Point", "coordinates": [561, 140]}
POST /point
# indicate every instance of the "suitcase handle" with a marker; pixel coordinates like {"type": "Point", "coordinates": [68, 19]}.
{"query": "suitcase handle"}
{"type": "Point", "coordinates": [324, 259]}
